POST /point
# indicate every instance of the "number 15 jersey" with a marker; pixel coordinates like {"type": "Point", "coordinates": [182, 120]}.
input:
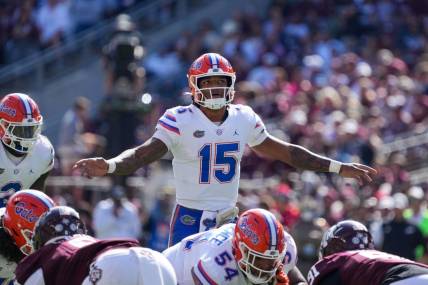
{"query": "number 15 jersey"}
{"type": "Point", "coordinates": [207, 155]}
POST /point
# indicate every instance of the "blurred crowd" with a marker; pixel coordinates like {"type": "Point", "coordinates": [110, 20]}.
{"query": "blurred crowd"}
{"type": "Point", "coordinates": [343, 81]}
{"type": "Point", "coordinates": [28, 26]}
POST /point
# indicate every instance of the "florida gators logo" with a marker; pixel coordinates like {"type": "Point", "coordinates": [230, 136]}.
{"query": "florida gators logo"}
{"type": "Point", "coordinates": [27, 214]}
{"type": "Point", "coordinates": [198, 134]}
{"type": "Point", "coordinates": [248, 232]}
{"type": "Point", "coordinates": [188, 220]}
{"type": "Point", "coordinates": [7, 110]}
{"type": "Point", "coordinates": [197, 65]}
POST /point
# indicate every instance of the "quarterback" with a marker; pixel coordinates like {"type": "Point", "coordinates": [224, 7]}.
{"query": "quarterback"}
{"type": "Point", "coordinates": [207, 140]}
{"type": "Point", "coordinates": [26, 157]}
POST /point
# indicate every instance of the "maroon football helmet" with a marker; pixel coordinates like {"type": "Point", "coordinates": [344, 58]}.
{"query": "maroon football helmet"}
{"type": "Point", "coordinates": [58, 222]}
{"type": "Point", "coordinates": [343, 236]}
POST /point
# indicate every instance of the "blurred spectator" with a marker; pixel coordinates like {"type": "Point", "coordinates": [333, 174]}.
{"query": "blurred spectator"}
{"type": "Point", "coordinates": [54, 22]}
{"type": "Point", "coordinates": [417, 212]}
{"type": "Point", "coordinates": [86, 13]}
{"type": "Point", "coordinates": [399, 236]}
{"type": "Point", "coordinates": [265, 73]}
{"type": "Point", "coordinates": [121, 56]}
{"type": "Point", "coordinates": [307, 233]}
{"type": "Point", "coordinates": [157, 226]}
{"type": "Point", "coordinates": [116, 217]}
{"type": "Point", "coordinates": [122, 109]}
{"type": "Point", "coordinates": [24, 33]}
{"type": "Point", "coordinates": [5, 25]}
{"type": "Point", "coordinates": [286, 206]}
{"type": "Point", "coordinates": [74, 123]}
{"type": "Point", "coordinates": [165, 69]}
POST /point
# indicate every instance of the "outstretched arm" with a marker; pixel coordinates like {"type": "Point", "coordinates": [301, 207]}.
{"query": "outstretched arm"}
{"type": "Point", "coordinates": [302, 158]}
{"type": "Point", "coordinates": [126, 163]}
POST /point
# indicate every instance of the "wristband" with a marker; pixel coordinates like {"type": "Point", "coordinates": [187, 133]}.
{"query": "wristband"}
{"type": "Point", "coordinates": [334, 166]}
{"type": "Point", "coordinates": [111, 166]}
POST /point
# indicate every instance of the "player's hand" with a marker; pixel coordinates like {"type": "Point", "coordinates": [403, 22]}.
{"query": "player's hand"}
{"type": "Point", "coordinates": [281, 277]}
{"type": "Point", "coordinates": [91, 167]}
{"type": "Point", "coordinates": [361, 172]}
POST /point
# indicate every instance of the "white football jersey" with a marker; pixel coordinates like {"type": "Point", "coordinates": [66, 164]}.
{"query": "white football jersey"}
{"type": "Point", "coordinates": [14, 177]}
{"type": "Point", "coordinates": [207, 155]}
{"type": "Point", "coordinates": [209, 255]}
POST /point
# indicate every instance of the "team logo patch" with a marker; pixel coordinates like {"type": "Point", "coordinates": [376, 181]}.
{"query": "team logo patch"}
{"type": "Point", "coordinates": [95, 274]}
{"type": "Point", "coordinates": [198, 134]}
{"type": "Point", "coordinates": [219, 132]}
{"type": "Point", "coordinates": [197, 65]}
{"type": "Point", "coordinates": [7, 110]}
{"type": "Point", "coordinates": [22, 210]}
{"type": "Point", "coordinates": [248, 232]}
{"type": "Point", "coordinates": [188, 220]}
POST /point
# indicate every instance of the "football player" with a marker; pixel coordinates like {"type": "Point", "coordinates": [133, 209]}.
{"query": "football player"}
{"type": "Point", "coordinates": [347, 256]}
{"type": "Point", "coordinates": [256, 250]}
{"type": "Point", "coordinates": [26, 157]}
{"type": "Point", "coordinates": [17, 222]}
{"type": "Point", "coordinates": [207, 140]}
{"type": "Point", "coordinates": [65, 255]}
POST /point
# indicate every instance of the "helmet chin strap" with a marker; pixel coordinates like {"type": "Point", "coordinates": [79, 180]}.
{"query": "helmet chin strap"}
{"type": "Point", "coordinates": [214, 103]}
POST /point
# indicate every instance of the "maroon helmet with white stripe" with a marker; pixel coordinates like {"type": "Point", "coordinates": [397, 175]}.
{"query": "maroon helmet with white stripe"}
{"type": "Point", "coordinates": [20, 122]}
{"type": "Point", "coordinates": [258, 245]}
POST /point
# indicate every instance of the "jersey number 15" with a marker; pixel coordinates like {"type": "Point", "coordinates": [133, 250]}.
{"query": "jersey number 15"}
{"type": "Point", "coordinates": [220, 157]}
